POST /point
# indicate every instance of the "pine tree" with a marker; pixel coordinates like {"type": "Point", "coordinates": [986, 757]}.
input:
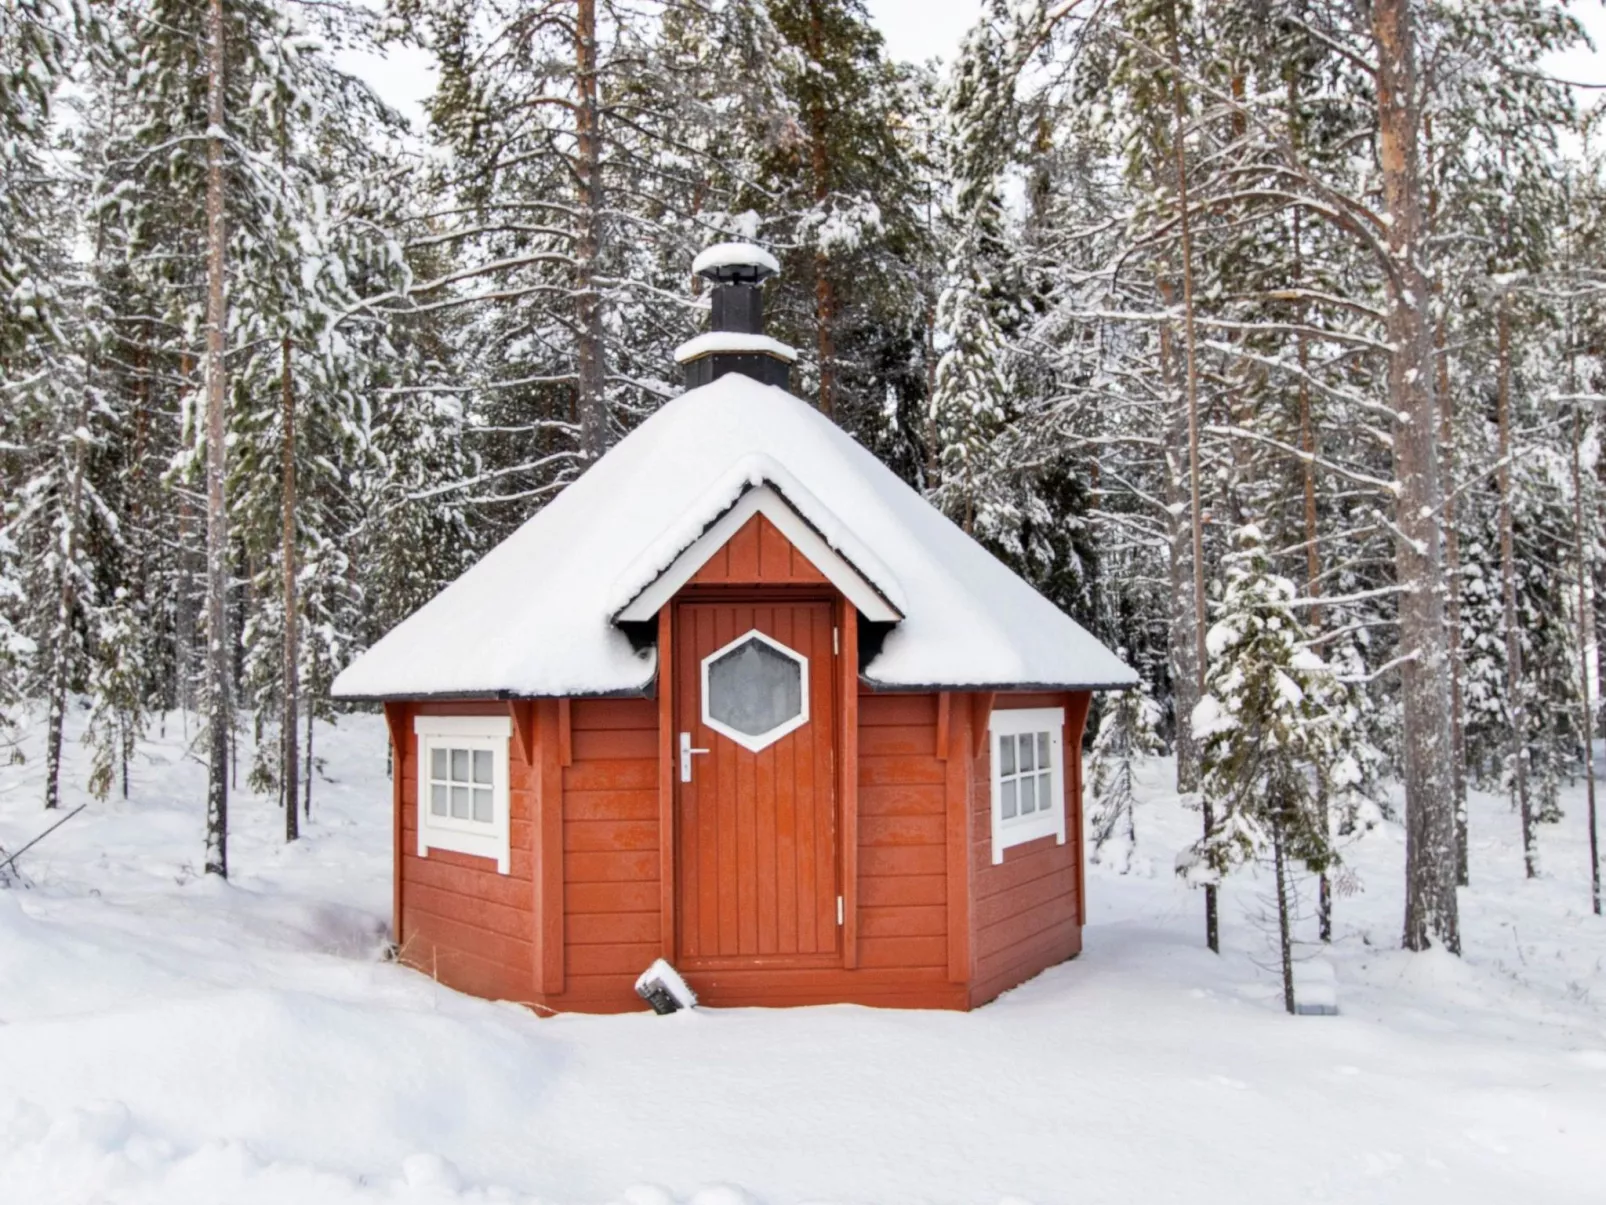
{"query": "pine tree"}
{"type": "Point", "coordinates": [1275, 730]}
{"type": "Point", "coordinates": [1128, 730]}
{"type": "Point", "coordinates": [35, 41]}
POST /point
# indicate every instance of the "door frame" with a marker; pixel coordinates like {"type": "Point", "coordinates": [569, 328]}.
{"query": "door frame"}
{"type": "Point", "coordinates": [844, 756]}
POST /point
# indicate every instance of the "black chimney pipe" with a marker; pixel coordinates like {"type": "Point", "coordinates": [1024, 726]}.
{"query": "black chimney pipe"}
{"type": "Point", "coordinates": [737, 272]}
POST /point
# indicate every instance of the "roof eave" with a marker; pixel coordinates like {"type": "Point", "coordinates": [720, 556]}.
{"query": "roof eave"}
{"type": "Point", "coordinates": [646, 691]}
{"type": "Point", "coordinates": [996, 687]}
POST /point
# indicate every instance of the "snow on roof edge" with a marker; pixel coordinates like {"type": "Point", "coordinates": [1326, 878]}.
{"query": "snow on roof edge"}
{"type": "Point", "coordinates": [496, 632]}
{"type": "Point", "coordinates": [751, 471]}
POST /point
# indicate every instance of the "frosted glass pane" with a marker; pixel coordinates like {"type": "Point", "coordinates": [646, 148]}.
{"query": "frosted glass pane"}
{"type": "Point", "coordinates": [482, 766]}
{"type": "Point", "coordinates": [482, 806]}
{"type": "Point", "coordinates": [753, 688]}
{"type": "Point", "coordinates": [1026, 762]}
{"type": "Point", "coordinates": [1006, 754]}
{"type": "Point", "coordinates": [437, 763]}
{"type": "Point", "coordinates": [1006, 797]}
{"type": "Point", "coordinates": [1028, 796]}
{"type": "Point", "coordinates": [459, 765]}
{"type": "Point", "coordinates": [460, 803]}
{"type": "Point", "coordinates": [1043, 760]}
{"type": "Point", "coordinates": [1045, 791]}
{"type": "Point", "coordinates": [437, 799]}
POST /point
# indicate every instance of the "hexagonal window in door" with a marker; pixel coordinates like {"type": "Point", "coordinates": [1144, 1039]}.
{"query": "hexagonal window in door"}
{"type": "Point", "coordinates": [755, 690]}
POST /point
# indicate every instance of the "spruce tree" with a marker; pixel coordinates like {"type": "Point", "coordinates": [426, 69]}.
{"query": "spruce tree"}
{"type": "Point", "coordinates": [1276, 734]}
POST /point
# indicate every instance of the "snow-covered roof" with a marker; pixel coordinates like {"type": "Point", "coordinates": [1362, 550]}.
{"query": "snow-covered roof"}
{"type": "Point", "coordinates": [734, 255]}
{"type": "Point", "coordinates": [536, 616]}
{"type": "Point", "coordinates": [710, 342]}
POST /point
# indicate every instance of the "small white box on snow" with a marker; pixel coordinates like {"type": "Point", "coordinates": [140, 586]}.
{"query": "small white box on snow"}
{"type": "Point", "coordinates": [661, 986]}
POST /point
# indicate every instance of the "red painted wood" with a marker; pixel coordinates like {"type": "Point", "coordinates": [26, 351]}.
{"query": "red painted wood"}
{"type": "Point", "coordinates": [900, 771]}
{"type": "Point", "coordinates": [758, 555]}
{"type": "Point", "coordinates": [917, 859]}
{"type": "Point", "coordinates": [640, 896]}
{"type": "Point", "coordinates": [912, 799]}
{"type": "Point", "coordinates": [903, 890]}
{"type": "Point", "coordinates": [609, 928]}
{"type": "Point", "coordinates": [565, 739]}
{"type": "Point", "coordinates": [613, 867]}
{"type": "Point", "coordinates": [981, 712]}
{"type": "Point", "coordinates": [470, 882]}
{"type": "Point", "coordinates": [847, 618]}
{"type": "Point", "coordinates": [878, 710]}
{"type": "Point", "coordinates": [899, 740]}
{"type": "Point", "coordinates": [1025, 912]}
{"type": "Point", "coordinates": [1075, 726]}
{"type": "Point", "coordinates": [549, 853]}
{"type": "Point", "coordinates": [755, 861]}
{"type": "Point", "coordinates": [610, 805]}
{"type": "Point", "coordinates": [522, 712]}
{"type": "Point", "coordinates": [667, 831]}
{"type": "Point", "coordinates": [397, 719]}
{"type": "Point", "coordinates": [956, 816]}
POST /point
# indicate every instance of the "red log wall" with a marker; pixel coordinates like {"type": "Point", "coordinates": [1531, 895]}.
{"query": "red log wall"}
{"type": "Point", "coordinates": [1026, 912]}
{"type": "Point", "coordinates": [938, 925]}
{"type": "Point", "coordinates": [460, 921]}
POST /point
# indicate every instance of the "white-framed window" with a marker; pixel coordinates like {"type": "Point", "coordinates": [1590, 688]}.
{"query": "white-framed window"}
{"type": "Point", "coordinates": [755, 690]}
{"type": "Point", "coordinates": [1028, 772]}
{"type": "Point", "coordinates": [463, 785]}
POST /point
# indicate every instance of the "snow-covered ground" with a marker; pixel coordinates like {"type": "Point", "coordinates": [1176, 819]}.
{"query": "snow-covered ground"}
{"type": "Point", "coordinates": [165, 1038]}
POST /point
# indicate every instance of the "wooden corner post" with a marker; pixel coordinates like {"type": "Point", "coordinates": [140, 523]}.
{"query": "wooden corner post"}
{"type": "Point", "coordinates": [954, 748]}
{"type": "Point", "coordinates": [396, 720]}
{"type": "Point", "coordinates": [848, 776]}
{"type": "Point", "coordinates": [547, 871]}
{"type": "Point", "coordinates": [666, 781]}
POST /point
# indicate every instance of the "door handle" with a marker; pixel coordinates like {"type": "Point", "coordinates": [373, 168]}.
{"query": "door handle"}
{"type": "Point", "coordinates": [685, 756]}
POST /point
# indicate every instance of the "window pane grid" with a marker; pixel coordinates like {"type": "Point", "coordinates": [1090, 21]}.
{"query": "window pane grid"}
{"type": "Point", "coordinates": [1025, 775]}
{"type": "Point", "coordinates": [461, 784]}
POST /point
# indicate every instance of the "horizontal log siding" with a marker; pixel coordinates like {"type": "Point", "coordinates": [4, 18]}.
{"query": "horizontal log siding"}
{"type": "Point", "coordinates": [611, 923]}
{"type": "Point", "coordinates": [1024, 910]}
{"type": "Point", "coordinates": [903, 916]}
{"type": "Point", "coordinates": [462, 922]}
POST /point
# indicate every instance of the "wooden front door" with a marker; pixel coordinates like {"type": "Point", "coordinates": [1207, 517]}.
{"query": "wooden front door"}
{"type": "Point", "coordinates": [756, 863]}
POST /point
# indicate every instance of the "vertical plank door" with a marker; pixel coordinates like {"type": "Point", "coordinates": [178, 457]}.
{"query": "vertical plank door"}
{"type": "Point", "coordinates": [756, 863]}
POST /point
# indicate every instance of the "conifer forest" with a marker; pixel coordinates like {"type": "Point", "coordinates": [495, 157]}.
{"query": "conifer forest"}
{"type": "Point", "coordinates": [1266, 339]}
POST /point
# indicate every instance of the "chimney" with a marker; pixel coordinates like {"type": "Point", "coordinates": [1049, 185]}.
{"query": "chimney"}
{"type": "Point", "coordinates": [737, 342]}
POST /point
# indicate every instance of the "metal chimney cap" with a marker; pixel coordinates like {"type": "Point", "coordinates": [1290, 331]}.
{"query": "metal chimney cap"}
{"type": "Point", "coordinates": [735, 263]}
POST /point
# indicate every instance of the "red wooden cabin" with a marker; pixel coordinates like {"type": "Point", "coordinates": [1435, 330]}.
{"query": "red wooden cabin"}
{"type": "Point", "coordinates": [740, 699]}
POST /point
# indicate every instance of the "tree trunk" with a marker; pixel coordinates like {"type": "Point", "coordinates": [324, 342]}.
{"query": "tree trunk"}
{"type": "Point", "coordinates": [1285, 939]}
{"type": "Point", "coordinates": [1452, 570]}
{"type": "Point", "coordinates": [66, 603]}
{"type": "Point", "coordinates": [1452, 542]}
{"type": "Point", "coordinates": [1313, 559]}
{"type": "Point", "coordinates": [306, 809]}
{"type": "Point", "coordinates": [1581, 554]}
{"type": "Point", "coordinates": [824, 288]}
{"type": "Point", "coordinates": [217, 543]}
{"type": "Point", "coordinates": [1516, 704]}
{"type": "Point", "coordinates": [289, 772]}
{"type": "Point", "coordinates": [592, 385]}
{"type": "Point", "coordinates": [1586, 675]}
{"type": "Point", "coordinates": [184, 616]}
{"type": "Point", "coordinates": [1427, 751]}
{"type": "Point", "coordinates": [1190, 353]}
{"type": "Point", "coordinates": [1179, 558]}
